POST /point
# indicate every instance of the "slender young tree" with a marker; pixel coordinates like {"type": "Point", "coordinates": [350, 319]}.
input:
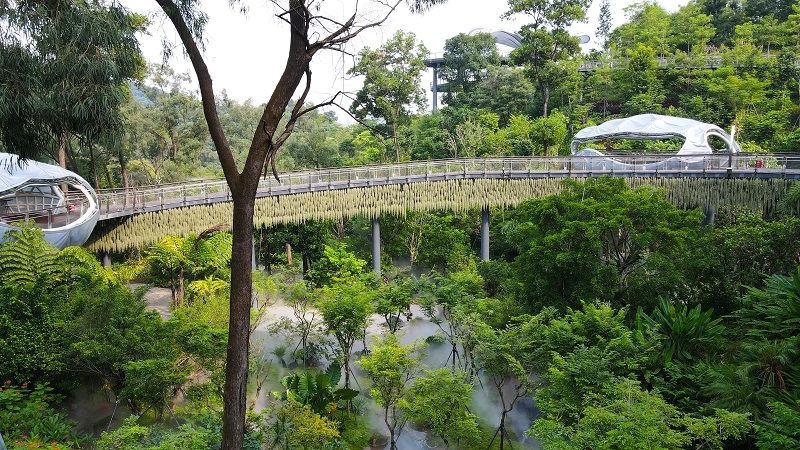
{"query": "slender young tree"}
{"type": "Point", "coordinates": [467, 59]}
{"type": "Point", "coordinates": [346, 309]}
{"type": "Point", "coordinates": [546, 41]}
{"type": "Point", "coordinates": [604, 23]}
{"type": "Point", "coordinates": [311, 31]}
{"type": "Point", "coordinates": [392, 88]}
{"type": "Point", "coordinates": [507, 358]}
{"type": "Point", "coordinates": [392, 367]}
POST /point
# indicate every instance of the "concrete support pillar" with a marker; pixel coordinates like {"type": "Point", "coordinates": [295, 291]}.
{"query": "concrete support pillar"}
{"type": "Point", "coordinates": [710, 212]}
{"type": "Point", "coordinates": [106, 258]}
{"type": "Point", "coordinates": [253, 256]}
{"type": "Point", "coordinates": [376, 246]}
{"type": "Point", "coordinates": [485, 234]}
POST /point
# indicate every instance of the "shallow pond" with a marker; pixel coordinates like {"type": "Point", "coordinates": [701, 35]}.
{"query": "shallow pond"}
{"type": "Point", "coordinates": [93, 410]}
{"type": "Point", "coordinates": [485, 401]}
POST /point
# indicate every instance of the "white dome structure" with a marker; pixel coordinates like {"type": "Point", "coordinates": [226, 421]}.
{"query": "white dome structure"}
{"type": "Point", "coordinates": [502, 37]}
{"type": "Point", "coordinates": [31, 191]}
{"type": "Point", "coordinates": [656, 127]}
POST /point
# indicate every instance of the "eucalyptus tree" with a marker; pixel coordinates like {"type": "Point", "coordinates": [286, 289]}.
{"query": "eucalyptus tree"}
{"type": "Point", "coordinates": [64, 72]}
{"type": "Point", "coordinates": [179, 131]}
{"type": "Point", "coordinates": [135, 140]}
{"type": "Point", "coordinates": [467, 60]}
{"type": "Point", "coordinates": [690, 29]}
{"type": "Point", "coordinates": [391, 91]}
{"type": "Point", "coordinates": [648, 25]}
{"type": "Point", "coordinates": [311, 29]}
{"type": "Point", "coordinates": [546, 41]}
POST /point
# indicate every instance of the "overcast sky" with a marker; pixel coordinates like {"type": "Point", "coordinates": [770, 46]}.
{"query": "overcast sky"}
{"type": "Point", "coordinates": [246, 53]}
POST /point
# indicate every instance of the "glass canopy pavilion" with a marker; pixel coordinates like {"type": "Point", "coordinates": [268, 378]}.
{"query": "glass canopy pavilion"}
{"type": "Point", "coordinates": [56, 200]}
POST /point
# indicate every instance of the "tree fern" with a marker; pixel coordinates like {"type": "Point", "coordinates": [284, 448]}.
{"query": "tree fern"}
{"type": "Point", "coordinates": [774, 312]}
{"type": "Point", "coordinates": [791, 203]}
{"type": "Point", "coordinates": [195, 256]}
{"type": "Point", "coordinates": [27, 257]}
{"type": "Point", "coordinates": [207, 289]}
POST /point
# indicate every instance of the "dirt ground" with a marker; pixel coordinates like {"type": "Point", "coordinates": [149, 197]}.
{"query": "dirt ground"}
{"type": "Point", "coordinates": [158, 299]}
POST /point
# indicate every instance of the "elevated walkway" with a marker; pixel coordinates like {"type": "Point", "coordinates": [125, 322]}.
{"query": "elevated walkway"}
{"type": "Point", "coordinates": [115, 203]}
{"type": "Point", "coordinates": [142, 216]}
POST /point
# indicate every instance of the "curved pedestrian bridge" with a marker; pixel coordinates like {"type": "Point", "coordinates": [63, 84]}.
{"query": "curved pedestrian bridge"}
{"type": "Point", "coordinates": [143, 215]}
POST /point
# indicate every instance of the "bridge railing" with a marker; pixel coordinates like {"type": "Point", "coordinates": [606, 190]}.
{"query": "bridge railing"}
{"type": "Point", "coordinates": [119, 202]}
{"type": "Point", "coordinates": [47, 217]}
{"type": "Point", "coordinates": [707, 61]}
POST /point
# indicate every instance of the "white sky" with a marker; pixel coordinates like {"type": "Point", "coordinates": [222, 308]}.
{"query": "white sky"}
{"type": "Point", "coordinates": [246, 54]}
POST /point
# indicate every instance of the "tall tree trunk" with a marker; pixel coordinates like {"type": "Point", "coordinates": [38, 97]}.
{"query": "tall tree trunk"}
{"type": "Point", "coordinates": [346, 357]}
{"type": "Point", "coordinates": [62, 156]}
{"type": "Point", "coordinates": [235, 398]}
{"type": "Point", "coordinates": [109, 179]}
{"type": "Point", "coordinates": [174, 144]}
{"type": "Point", "coordinates": [123, 167]}
{"type": "Point", "coordinates": [94, 167]}
{"type": "Point", "coordinates": [503, 429]}
{"type": "Point", "coordinates": [179, 291]}
{"type": "Point", "coordinates": [392, 442]}
{"type": "Point", "coordinates": [546, 100]}
{"type": "Point", "coordinates": [71, 157]}
{"type": "Point", "coordinates": [243, 185]}
{"type": "Point", "coordinates": [396, 143]}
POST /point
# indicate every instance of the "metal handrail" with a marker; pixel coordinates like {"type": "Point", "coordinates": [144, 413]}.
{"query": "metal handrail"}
{"type": "Point", "coordinates": [72, 209]}
{"type": "Point", "coordinates": [707, 61]}
{"type": "Point", "coordinates": [119, 202]}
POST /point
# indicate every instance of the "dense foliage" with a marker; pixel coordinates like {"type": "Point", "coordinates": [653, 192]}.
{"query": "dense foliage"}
{"type": "Point", "coordinates": [727, 63]}
{"type": "Point", "coordinates": [630, 323]}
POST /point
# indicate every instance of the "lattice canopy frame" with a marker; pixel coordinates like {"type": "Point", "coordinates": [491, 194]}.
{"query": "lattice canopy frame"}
{"type": "Point", "coordinates": [34, 192]}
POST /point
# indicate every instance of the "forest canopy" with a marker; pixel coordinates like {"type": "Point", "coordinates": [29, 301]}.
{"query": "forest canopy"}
{"type": "Point", "coordinates": [627, 321]}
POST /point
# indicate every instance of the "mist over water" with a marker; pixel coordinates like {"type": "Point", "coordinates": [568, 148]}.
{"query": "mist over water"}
{"type": "Point", "coordinates": [438, 353]}
{"type": "Point", "coordinates": [88, 409]}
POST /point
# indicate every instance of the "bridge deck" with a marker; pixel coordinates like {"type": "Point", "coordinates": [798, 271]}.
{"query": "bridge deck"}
{"type": "Point", "coordinates": [119, 203]}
